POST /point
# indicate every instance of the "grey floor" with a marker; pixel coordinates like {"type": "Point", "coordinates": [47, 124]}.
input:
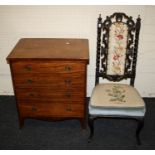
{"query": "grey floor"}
{"type": "Point", "coordinates": [67, 135]}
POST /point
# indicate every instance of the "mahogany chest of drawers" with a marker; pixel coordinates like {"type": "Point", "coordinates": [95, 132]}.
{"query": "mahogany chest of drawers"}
{"type": "Point", "coordinates": [49, 78]}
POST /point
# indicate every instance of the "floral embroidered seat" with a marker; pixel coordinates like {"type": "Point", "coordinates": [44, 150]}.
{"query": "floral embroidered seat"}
{"type": "Point", "coordinates": [116, 99]}
{"type": "Point", "coordinates": [116, 59]}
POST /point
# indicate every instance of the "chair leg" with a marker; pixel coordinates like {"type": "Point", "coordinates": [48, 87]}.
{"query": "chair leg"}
{"type": "Point", "coordinates": [139, 128]}
{"type": "Point", "coordinates": [91, 127]}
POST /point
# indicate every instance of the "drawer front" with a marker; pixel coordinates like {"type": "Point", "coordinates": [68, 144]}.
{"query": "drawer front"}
{"type": "Point", "coordinates": [49, 95]}
{"type": "Point", "coordinates": [19, 67]}
{"type": "Point", "coordinates": [51, 110]}
{"type": "Point", "coordinates": [49, 89]}
{"type": "Point", "coordinates": [60, 81]}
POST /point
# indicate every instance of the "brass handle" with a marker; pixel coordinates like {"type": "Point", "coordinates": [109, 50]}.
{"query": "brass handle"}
{"type": "Point", "coordinates": [34, 109]}
{"type": "Point", "coordinates": [31, 94]}
{"type": "Point", "coordinates": [68, 94]}
{"type": "Point", "coordinates": [68, 68]}
{"type": "Point", "coordinates": [68, 108]}
{"type": "Point", "coordinates": [68, 81]}
{"type": "Point", "coordinates": [28, 68]}
{"type": "Point", "coordinates": [30, 81]}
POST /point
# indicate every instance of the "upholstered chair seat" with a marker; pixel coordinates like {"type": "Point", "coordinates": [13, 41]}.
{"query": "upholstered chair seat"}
{"type": "Point", "coordinates": [116, 100]}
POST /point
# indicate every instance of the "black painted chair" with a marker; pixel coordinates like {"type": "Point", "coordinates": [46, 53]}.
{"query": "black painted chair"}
{"type": "Point", "coordinates": [117, 47]}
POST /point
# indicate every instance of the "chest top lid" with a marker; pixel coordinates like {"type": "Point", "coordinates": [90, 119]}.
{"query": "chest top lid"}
{"type": "Point", "coordinates": [50, 48]}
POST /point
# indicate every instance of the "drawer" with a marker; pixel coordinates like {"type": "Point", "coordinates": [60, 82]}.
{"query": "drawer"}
{"type": "Point", "coordinates": [51, 110]}
{"type": "Point", "coordinates": [48, 95]}
{"type": "Point", "coordinates": [47, 67]}
{"type": "Point", "coordinates": [55, 81]}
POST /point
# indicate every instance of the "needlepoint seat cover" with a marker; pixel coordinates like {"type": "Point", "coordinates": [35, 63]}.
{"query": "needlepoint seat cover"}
{"type": "Point", "coordinates": [116, 99]}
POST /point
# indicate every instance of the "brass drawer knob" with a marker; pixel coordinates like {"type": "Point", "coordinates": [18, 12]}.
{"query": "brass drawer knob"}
{"type": "Point", "coordinates": [28, 68]}
{"type": "Point", "coordinates": [68, 81]}
{"type": "Point", "coordinates": [34, 109]}
{"type": "Point", "coordinates": [31, 94]}
{"type": "Point", "coordinates": [68, 68]}
{"type": "Point", "coordinates": [30, 81]}
{"type": "Point", "coordinates": [68, 94]}
{"type": "Point", "coordinates": [68, 108]}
